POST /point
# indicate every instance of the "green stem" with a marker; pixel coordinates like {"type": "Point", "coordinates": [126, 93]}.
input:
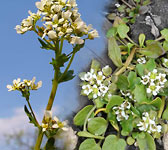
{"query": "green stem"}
{"type": "Point", "coordinates": [87, 117]}
{"type": "Point", "coordinates": [32, 111]}
{"type": "Point", "coordinates": [67, 68]}
{"type": "Point", "coordinates": [131, 41]}
{"type": "Point", "coordinates": [127, 63]}
{"type": "Point", "coordinates": [39, 140]}
{"type": "Point", "coordinates": [61, 47]}
{"type": "Point", "coordinates": [160, 38]}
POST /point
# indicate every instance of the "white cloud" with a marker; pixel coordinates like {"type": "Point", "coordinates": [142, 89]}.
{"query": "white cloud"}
{"type": "Point", "coordinates": [17, 122]}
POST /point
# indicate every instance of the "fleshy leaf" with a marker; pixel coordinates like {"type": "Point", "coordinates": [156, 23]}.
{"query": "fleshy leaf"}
{"type": "Point", "coordinates": [114, 52]}
{"type": "Point", "coordinates": [122, 30]}
{"type": "Point", "coordinates": [80, 117]}
{"type": "Point", "coordinates": [154, 50]}
{"type": "Point", "coordinates": [140, 94]}
{"type": "Point", "coordinates": [146, 143]}
{"type": "Point", "coordinates": [112, 142]}
{"type": "Point", "coordinates": [89, 144]}
{"type": "Point", "coordinates": [97, 125]}
{"type": "Point", "coordinates": [141, 40]}
{"type": "Point", "coordinates": [89, 135]}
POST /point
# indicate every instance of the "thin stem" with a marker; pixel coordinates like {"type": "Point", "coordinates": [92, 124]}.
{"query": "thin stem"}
{"type": "Point", "coordinates": [131, 41]}
{"type": "Point", "coordinates": [39, 140]}
{"type": "Point", "coordinates": [160, 38]}
{"type": "Point", "coordinates": [32, 111]}
{"type": "Point", "coordinates": [126, 3]}
{"type": "Point", "coordinates": [128, 61]}
{"type": "Point", "coordinates": [120, 41]}
{"type": "Point", "coordinates": [61, 47]}
{"type": "Point", "coordinates": [87, 117]}
{"type": "Point", "coordinates": [66, 70]}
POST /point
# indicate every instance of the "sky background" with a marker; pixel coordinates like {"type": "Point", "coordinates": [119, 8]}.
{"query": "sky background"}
{"type": "Point", "coordinates": [22, 57]}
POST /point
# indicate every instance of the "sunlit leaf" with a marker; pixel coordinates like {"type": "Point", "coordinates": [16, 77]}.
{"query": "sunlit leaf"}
{"type": "Point", "coordinates": [114, 52]}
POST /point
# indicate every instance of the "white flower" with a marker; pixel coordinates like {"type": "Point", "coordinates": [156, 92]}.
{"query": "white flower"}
{"type": "Point", "coordinates": [104, 89]}
{"type": "Point", "coordinates": [56, 8]}
{"type": "Point", "coordinates": [67, 14]}
{"type": "Point", "coordinates": [145, 80]}
{"type": "Point", "coordinates": [15, 86]}
{"type": "Point", "coordinates": [93, 34]}
{"type": "Point", "coordinates": [100, 77]}
{"type": "Point", "coordinates": [59, 124]}
{"type": "Point", "coordinates": [117, 5]}
{"type": "Point", "coordinates": [88, 76]}
{"type": "Point", "coordinates": [162, 78]}
{"type": "Point", "coordinates": [148, 124]}
{"type": "Point", "coordinates": [44, 126]}
{"type": "Point", "coordinates": [96, 91]}
{"type": "Point", "coordinates": [52, 35]}
{"type": "Point", "coordinates": [152, 75]}
{"type": "Point", "coordinates": [87, 89]}
{"type": "Point", "coordinates": [72, 3]}
{"type": "Point", "coordinates": [153, 88]}
{"type": "Point", "coordinates": [76, 40]}
{"type": "Point", "coordinates": [47, 115]}
{"type": "Point", "coordinates": [141, 60]}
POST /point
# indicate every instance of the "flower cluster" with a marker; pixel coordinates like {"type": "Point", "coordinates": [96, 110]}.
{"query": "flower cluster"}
{"type": "Point", "coordinates": [155, 81]}
{"type": "Point", "coordinates": [24, 85]}
{"type": "Point", "coordinates": [96, 84]}
{"type": "Point", "coordinates": [60, 19]}
{"type": "Point", "coordinates": [50, 124]}
{"type": "Point", "coordinates": [123, 111]}
{"type": "Point", "coordinates": [148, 124]}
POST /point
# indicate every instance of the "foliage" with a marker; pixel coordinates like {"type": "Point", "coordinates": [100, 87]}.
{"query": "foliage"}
{"type": "Point", "coordinates": [130, 99]}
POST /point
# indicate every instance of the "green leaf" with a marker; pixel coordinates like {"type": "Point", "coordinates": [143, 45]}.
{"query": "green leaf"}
{"type": "Point", "coordinates": [99, 103]}
{"type": "Point", "coordinates": [89, 144]}
{"type": "Point", "coordinates": [165, 45]}
{"type": "Point", "coordinates": [44, 45]}
{"type": "Point", "coordinates": [154, 50]}
{"type": "Point", "coordinates": [114, 100]}
{"type": "Point", "coordinates": [113, 143]}
{"type": "Point", "coordinates": [30, 116]}
{"type": "Point", "coordinates": [146, 108]}
{"type": "Point", "coordinates": [89, 135]}
{"type": "Point", "coordinates": [60, 61]}
{"type": "Point", "coordinates": [140, 94]}
{"type": "Point", "coordinates": [113, 121]}
{"type": "Point", "coordinates": [97, 125]}
{"type": "Point", "coordinates": [157, 102]}
{"type": "Point", "coordinates": [127, 126]}
{"type": "Point", "coordinates": [140, 69]}
{"type": "Point", "coordinates": [130, 140]}
{"type": "Point", "coordinates": [122, 82]}
{"type": "Point", "coordinates": [50, 144]}
{"type": "Point", "coordinates": [142, 39]}
{"type": "Point", "coordinates": [111, 32]}
{"type": "Point", "coordinates": [150, 65]}
{"type": "Point", "coordinates": [165, 114]}
{"type": "Point", "coordinates": [146, 143]}
{"type": "Point", "coordinates": [122, 30]}
{"type": "Point", "coordinates": [114, 52]}
{"type": "Point", "coordinates": [164, 33]}
{"type": "Point", "coordinates": [68, 76]}
{"type": "Point", "coordinates": [80, 117]}
{"type": "Point", "coordinates": [133, 80]}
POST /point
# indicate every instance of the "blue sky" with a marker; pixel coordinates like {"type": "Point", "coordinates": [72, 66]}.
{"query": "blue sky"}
{"type": "Point", "coordinates": [22, 57]}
